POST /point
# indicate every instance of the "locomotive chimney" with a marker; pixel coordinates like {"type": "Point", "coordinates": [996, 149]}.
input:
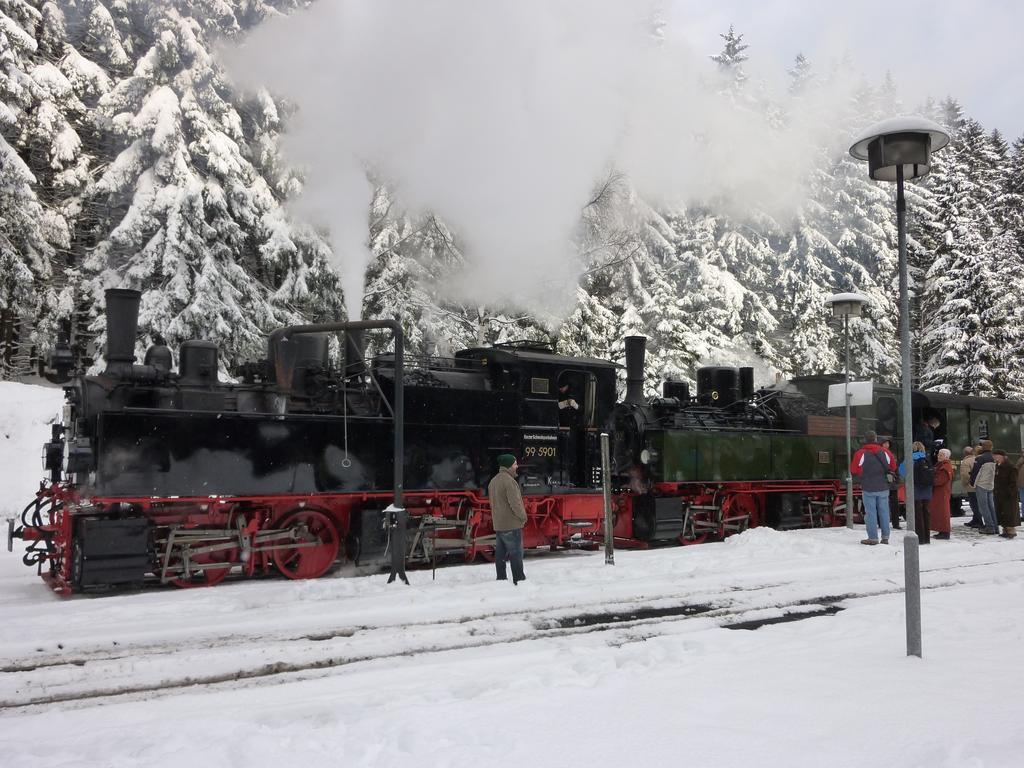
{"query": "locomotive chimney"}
{"type": "Point", "coordinates": [122, 327]}
{"type": "Point", "coordinates": [635, 346]}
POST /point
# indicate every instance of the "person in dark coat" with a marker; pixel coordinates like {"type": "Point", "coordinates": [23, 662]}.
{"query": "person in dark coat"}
{"type": "Point", "coordinates": [1007, 504]}
{"type": "Point", "coordinates": [924, 433]}
{"type": "Point", "coordinates": [1020, 484]}
{"type": "Point", "coordinates": [942, 490]}
{"type": "Point", "coordinates": [508, 516]}
{"type": "Point", "coordinates": [966, 465]}
{"type": "Point", "coordinates": [923, 476]}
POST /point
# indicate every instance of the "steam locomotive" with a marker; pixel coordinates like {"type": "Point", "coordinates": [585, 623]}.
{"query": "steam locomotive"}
{"type": "Point", "coordinates": [175, 477]}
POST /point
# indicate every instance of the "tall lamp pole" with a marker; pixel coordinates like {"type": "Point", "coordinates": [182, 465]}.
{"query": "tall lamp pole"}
{"type": "Point", "coordinates": [899, 149]}
{"type": "Point", "coordinates": [847, 305]}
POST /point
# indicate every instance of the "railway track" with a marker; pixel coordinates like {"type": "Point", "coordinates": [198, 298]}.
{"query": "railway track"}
{"type": "Point", "coordinates": [142, 672]}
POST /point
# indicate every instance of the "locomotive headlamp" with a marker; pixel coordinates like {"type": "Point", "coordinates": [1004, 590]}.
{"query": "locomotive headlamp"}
{"type": "Point", "coordinates": [648, 456]}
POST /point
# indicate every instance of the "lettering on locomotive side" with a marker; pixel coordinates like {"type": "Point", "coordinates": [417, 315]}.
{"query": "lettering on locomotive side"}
{"type": "Point", "coordinates": [824, 457]}
{"type": "Point", "coordinates": [544, 451]}
{"type": "Point", "coordinates": [551, 438]}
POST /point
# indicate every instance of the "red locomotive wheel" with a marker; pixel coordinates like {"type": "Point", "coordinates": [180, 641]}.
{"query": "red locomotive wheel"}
{"type": "Point", "coordinates": [308, 562]}
{"type": "Point", "coordinates": [476, 551]}
{"type": "Point", "coordinates": [737, 506]}
{"type": "Point", "coordinates": [206, 577]}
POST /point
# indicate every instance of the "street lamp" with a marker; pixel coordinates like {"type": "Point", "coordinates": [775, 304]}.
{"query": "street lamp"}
{"type": "Point", "coordinates": [847, 305]}
{"type": "Point", "coordinates": [898, 149]}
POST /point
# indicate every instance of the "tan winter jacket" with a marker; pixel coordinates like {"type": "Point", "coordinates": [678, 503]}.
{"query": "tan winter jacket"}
{"type": "Point", "coordinates": [507, 510]}
{"type": "Point", "coordinates": [965, 472]}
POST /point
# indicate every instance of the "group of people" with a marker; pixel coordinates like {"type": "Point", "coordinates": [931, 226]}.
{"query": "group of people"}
{"type": "Point", "coordinates": [994, 487]}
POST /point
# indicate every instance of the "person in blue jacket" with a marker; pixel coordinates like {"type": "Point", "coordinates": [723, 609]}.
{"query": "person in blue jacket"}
{"type": "Point", "coordinates": [924, 475]}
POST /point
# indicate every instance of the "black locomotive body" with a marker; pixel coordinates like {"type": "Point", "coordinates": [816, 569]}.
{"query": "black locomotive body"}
{"type": "Point", "coordinates": [291, 467]}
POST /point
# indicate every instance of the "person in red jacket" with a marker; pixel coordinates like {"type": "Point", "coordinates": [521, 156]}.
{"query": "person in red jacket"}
{"type": "Point", "coordinates": [942, 491]}
{"type": "Point", "coordinates": [870, 464]}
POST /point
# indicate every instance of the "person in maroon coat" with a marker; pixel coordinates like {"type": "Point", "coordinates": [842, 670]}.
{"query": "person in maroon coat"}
{"type": "Point", "coordinates": [942, 490]}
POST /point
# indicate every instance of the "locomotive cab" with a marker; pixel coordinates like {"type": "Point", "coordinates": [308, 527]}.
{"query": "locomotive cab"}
{"type": "Point", "coordinates": [563, 401]}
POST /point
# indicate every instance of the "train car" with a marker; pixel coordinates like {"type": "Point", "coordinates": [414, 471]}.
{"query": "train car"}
{"type": "Point", "coordinates": [299, 464]}
{"type": "Point", "coordinates": [962, 420]}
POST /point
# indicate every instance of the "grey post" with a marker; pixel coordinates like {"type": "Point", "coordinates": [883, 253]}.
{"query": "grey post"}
{"type": "Point", "coordinates": [911, 542]}
{"type": "Point", "coordinates": [606, 481]}
{"type": "Point", "coordinates": [847, 305]}
{"type": "Point", "coordinates": [899, 149]}
{"type": "Point", "coordinates": [849, 452]}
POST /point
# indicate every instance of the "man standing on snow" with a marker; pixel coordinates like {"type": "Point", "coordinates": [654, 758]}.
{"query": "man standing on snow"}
{"type": "Point", "coordinates": [870, 464]}
{"type": "Point", "coordinates": [508, 516]}
{"type": "Point", "coordinates": [983, 478]}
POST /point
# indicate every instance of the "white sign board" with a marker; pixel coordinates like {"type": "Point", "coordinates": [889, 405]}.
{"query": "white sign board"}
{"type": "Point", "coordinates": [860, 393]}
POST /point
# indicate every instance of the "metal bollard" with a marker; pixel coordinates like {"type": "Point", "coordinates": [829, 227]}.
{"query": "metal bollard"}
{"type": "Point", "coordinates": [606, 482]}
{"type": "Point", "coordinates": [395, 520]}
{"type": "Point", "coordinates": [912, 575]}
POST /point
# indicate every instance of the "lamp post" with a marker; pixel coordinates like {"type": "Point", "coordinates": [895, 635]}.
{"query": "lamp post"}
{"type": "Point", "coordinates": [896, 150]}
{"type": "Point", "coordinates": [847, 305]}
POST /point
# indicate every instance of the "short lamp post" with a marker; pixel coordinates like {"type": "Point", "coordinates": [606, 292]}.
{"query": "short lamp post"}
{"type": "Point", "coordinates": [847, 305]}
{"type": "Point", "coordinates": [896, 150]}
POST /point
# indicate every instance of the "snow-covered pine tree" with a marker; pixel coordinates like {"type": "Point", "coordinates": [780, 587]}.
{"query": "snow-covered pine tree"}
{"type": "Point", "coordinates": [963, 337]}
{"type": "Point", "coordinates": [1007, 257]}
{"type": "Point", "coordinates": [730, 61]}
{"type": "Point", "coordinates": [801, 75]}
{"type": "Point", "coordinates": [31, 230]}
{"type": "Point", "coordinates": [191, 219]}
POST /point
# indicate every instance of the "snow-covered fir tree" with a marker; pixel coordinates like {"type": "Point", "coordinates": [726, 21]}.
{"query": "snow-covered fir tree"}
{"type": "Point", "coordinates": [126, 158]}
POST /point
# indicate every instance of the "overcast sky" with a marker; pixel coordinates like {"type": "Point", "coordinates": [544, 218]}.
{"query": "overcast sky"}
{"type": "Point", "coordinates": [970, 49]}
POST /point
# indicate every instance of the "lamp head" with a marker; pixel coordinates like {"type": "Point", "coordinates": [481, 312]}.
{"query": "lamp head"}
{"type": "Point", "coordinates": [847, 304]}
{"type": "Point", "coordinates": [905, 142]}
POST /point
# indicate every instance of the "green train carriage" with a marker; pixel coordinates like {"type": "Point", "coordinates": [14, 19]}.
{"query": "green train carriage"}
{"type": "Point", "coordinates": [731, 457]}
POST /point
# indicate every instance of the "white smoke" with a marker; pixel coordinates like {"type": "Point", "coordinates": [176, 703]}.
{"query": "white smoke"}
{"type": "Point", "coordinates": [501, 117]}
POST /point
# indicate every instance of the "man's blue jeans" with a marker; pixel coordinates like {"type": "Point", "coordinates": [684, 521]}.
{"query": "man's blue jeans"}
{"type": "Point", "coordinates": [509, 545]}
{"type": "Point", "coordinates": [987, 507]}
{"type": "Point", "coordinates": [1020, 493]}
{"type": "Point", "coordinates": [876, 509]}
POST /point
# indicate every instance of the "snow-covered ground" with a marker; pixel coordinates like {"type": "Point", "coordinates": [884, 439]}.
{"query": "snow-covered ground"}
{"type": "Point", "coordinates": [663, 659]}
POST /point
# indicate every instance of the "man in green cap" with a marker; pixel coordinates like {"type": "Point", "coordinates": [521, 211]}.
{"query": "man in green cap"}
{"type": "Point", "coordinates": [508, 516]}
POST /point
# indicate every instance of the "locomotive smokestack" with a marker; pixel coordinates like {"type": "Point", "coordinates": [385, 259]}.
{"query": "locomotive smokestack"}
{"type": "Point", "coordinates": [635, 347]}
{"type": "Point", "coordinates": [122, 327]}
